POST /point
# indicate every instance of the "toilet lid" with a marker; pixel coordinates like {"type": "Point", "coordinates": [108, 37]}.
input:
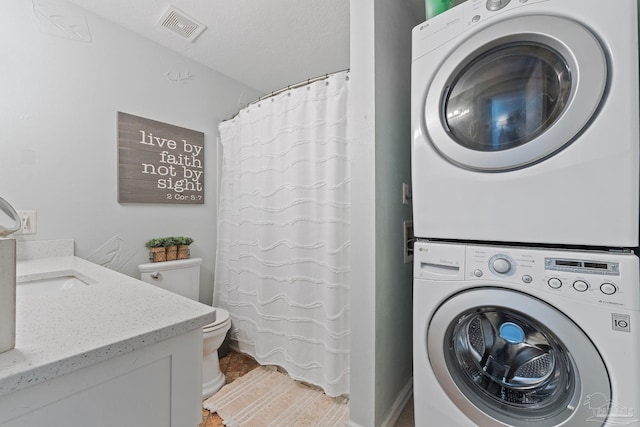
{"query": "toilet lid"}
{"type": "Point", "coordinates": [222, 317]}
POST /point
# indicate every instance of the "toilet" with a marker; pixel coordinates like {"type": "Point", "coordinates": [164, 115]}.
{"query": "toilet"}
{"type": "Point", "coordinates": [183, 277]}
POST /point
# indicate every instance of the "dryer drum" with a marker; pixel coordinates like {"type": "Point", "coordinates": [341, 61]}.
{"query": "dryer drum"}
{"type": "Point", "coordinates": [507, 96]}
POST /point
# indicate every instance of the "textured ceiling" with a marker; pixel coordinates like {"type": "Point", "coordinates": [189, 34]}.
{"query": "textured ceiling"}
{"type": "Point", "coordinates": [265, 44]}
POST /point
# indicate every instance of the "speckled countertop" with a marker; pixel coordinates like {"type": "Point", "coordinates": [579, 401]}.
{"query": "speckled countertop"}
{"type": "Point", "coordinates": [60, 331]}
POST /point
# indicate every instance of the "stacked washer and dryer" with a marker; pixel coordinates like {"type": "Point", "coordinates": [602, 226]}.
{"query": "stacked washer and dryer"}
{"type": "Point", "coordinates": [525, 159]}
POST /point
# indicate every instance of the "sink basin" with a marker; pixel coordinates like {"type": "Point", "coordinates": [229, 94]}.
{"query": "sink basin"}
{"type": "Point", "coordinates": [69, 283]}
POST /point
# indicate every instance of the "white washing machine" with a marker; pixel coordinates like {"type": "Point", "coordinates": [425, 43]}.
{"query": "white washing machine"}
{"type": "Point", "coordinates": [513, 336]}
{"type": "Point", "coordinates": [525, 123]}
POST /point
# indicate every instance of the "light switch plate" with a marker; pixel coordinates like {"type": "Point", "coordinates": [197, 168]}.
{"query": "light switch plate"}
{"type": "Point", "coordinates": [28, 222]}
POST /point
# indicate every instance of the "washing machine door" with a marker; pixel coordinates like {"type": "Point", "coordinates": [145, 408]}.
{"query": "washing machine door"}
{"type": "Point", "coordinates": [515, 93]}
{"type": "Point", "coordinates": [504, 357]}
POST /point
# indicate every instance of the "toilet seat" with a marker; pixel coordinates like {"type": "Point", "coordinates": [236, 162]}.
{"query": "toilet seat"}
{"type": "Point", "coordinates": [221, 322]}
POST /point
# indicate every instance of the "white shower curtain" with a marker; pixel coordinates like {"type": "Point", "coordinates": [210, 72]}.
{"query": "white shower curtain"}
{"type": "Point", "coordinates": [282, 265]}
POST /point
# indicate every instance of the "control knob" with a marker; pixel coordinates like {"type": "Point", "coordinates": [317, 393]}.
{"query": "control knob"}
{"type": "Point", "coordinates": [494, 5]}
{"type": "Point", "coordinates": [501, 265]}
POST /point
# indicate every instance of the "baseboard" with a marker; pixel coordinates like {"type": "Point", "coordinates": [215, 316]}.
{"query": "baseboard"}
{"type": "Point", "coordinates": [399, 404]}
{"type": "Point", "coordinates": [396, 409]}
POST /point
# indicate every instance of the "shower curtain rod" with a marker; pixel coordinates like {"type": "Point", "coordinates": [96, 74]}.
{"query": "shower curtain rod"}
{"type": "Point", "coordinates": [293, 86]}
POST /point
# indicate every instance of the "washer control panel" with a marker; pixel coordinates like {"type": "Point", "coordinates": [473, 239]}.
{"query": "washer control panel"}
{"type": "Point", "coordinates": [599, 277]}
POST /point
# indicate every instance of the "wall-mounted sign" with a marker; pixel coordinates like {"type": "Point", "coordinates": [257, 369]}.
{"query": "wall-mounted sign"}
{"type": "Point", "coordinates": [158, 162]}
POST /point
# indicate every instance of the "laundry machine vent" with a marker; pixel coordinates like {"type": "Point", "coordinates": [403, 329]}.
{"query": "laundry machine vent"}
{"type": "Point", "coordinates": [180, 23]}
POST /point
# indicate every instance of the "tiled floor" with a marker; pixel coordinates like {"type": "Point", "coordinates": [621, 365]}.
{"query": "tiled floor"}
{"type": "Point", "coordinates": [234, 365]}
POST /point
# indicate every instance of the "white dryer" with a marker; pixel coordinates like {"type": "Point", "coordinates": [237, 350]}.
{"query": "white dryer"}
{"type": "Point", "coordinates": [525, 123]}
{"type": "Point", "coordinates": [513, 336]}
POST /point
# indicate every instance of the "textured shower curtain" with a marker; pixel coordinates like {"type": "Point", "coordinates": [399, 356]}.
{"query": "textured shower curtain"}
{"type": "Point", "coordinates": [282, 265]}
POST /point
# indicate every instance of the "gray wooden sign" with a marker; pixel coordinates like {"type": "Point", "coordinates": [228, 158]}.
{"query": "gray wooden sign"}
{"type": "Point", "coordinates": [159, 162]}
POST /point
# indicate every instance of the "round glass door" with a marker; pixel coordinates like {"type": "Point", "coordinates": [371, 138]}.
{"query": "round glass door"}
{"type": "Point", "coordinates": [507, 97]}
{"type": "Point", "coordinates": [502, 355]}
{"type": "Point", "coordinates": [515, 93]}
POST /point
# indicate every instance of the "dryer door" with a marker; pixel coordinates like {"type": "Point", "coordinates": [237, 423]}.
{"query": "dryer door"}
{"type": "Point", "coordinates": [515, 93]}
{"type": "Point", "coordinates": [506, 357]}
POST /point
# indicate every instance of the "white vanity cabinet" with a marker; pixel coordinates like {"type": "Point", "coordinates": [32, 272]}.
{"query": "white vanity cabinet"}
{"type": "Point", "coordinates": [157, 386]}
{"type": "Point", "coordinates": [112, 351]}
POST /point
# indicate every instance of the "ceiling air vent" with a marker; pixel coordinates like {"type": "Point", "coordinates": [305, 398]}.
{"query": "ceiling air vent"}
{"type": "Point", "coordinates": [181, 24]}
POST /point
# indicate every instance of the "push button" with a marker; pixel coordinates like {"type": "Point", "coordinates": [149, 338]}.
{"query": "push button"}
{"type": "Point", "coordinates": [608, 288]}
{"type": "Point", "coordinates": [580, 285]}
{"type": "Point", "coordinates": [554, 283]}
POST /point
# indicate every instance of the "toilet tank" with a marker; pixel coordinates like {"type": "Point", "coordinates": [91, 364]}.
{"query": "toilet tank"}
{"type": "Point", "coordinates": [181, 276]}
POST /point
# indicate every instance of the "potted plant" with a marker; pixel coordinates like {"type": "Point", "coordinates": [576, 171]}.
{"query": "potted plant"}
{"type": "Point", "coordinates": [157, 250]}
{"type": "Point", "coordinates": [183, 246]}
{"type": "Point", "coordinates": [171, 245]}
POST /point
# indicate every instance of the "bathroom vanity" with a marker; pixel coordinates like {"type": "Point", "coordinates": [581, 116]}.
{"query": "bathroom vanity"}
{"type": "Point", "coordinates": [96, 347]}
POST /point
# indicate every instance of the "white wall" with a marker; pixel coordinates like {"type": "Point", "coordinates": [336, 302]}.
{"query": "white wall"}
{"type": "Point", "coordinates": [58, 131]}
{"type": "Point", "coordinates": [381, 368]}
{"type": "Point", "coordinates": [363, 213]}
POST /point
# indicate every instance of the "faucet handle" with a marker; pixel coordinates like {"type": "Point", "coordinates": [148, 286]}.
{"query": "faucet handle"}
{"type": "Point", "coordinates": [11, 212]}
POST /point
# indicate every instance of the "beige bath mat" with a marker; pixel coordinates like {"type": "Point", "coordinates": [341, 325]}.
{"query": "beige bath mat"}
{"type": "Point", "coordinates": [267, 398]}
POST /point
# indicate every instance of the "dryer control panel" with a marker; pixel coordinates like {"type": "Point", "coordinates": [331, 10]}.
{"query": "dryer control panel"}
{"type": "Point", "coordinates": [457, 20]}
{"type": "Point", "coordinates": [599, 277]}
